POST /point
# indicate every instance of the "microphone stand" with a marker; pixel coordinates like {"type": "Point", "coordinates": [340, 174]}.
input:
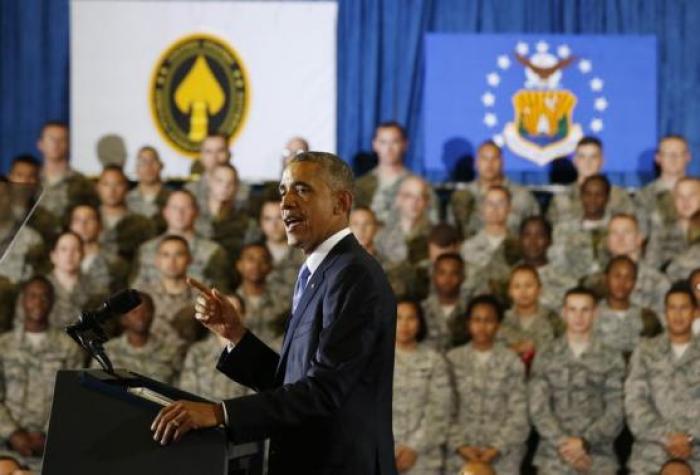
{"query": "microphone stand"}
{"type": "Point", "coordinates": [90, 336]}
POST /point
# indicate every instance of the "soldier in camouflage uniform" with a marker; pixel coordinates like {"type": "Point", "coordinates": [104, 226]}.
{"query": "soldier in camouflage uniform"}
{"type": "Point", "coordinates": [265, 311]}
{"type": "Point", "coordinates": [672, 157]}
{"type": "Point", "coordinates": [422, 396]}
{"type": "Point", "coordinates": [30, 357]}
{"type": "Point", "coordinates": [662, 391]}
{"type": "Point", "coordinates": [588, 160]}
{"type": "Point", "coordinates": [575, 396]}
{"type": "Point", "coordinates": [220, 220]}
{"type": "Point", "coordinates": [527, 325]}
{"type": "Point", "coordinates": [101, 267]}
{"type": "Point", "coordinates": [669, 234]}
{"type": "Point", "coordinates": [210, 262]}
{"type": "Point", "coordinates": [445, 304]}
{"type": "Point", "coordinates": [63, 187]}
{"type": "Point", "coordinates": [405, 233]}
{"type": "Point", "coordinates": [150, 195]}
{"type": "Point", "coordinates": [466, 203]}
{"type": "Point", "coordinates": [578, 243]}
{"type": "Point", "coordinates": [172, 296]}
{"type": "Point", "coordinates": [122, 231]}
{"type": "Point", "coordinates": [490, 424]}
{"type": "Point", "coordinates": [620, 323]}
{"type": "Point", "coordinates": [687, 261]}
{"type": "Point", "coordinates": [141, 351]}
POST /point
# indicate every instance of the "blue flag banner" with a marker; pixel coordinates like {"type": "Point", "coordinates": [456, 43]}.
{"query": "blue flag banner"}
{"type": "Point", "coordinates": [536, 96]}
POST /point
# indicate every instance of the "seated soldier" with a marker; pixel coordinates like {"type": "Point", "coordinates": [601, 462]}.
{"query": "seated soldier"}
{"type": "Point", "coordinates": [210, 262]}
{"type": "Point", "coordinates": [490, 253]}
{"type": "Point", "coordinates": [535, 238]}
{"type": "Point", "coordinates": [527, 326]}
{"type": "Point", "coordinates": [105, 269]}
{"type": "Point", "coordinates": [149, 196]}
{"type": "Point", "coordinates": [22, 249]}
{"type": "Point", "coordinates": [62, 186]}
{"type": "Point", "coordinates": [25, 177]}
{"type": "Point", "coordinates": [620, 323]}
{"type": "Point", "coordinates": [466, 204]}
{"type": "Point", "coordinates": [405, 232]}
{"type": "Point", "coordinates": [173, 298]}
{"type": "Point", "coordinates": [578, 243]}
{"type": "Point", "coordinates": [30, 357]}
{"type": "Point", "coordinates": [422, 395]}
{"type": "Point", "coordinates": [213, 151]}
{"type": "Point", "coordinates": [286, 260]}
{"type": "Point", "coordinates": [122, 231]}
{"type": "Point", "coordinates": [662, 391]}
{"type": "Point", "coordinates": [199, 374]}
{"type": "Point", "coordinates": [401, 275]}
{"type": "Point", "coordinates": [490, 425]}
{"type": "Point", "coordinates": [575, 395]}
{"type": "Point", "coordinates": [669, 234]}
{"type": "Point", "coordinates": [625, 239]}
{"type": "Point", "coordinates": [444, 304]}
{"type": "Point", "coordinates": [220, 220]}
{"type": "Point", "coordinates": [141, 351]}
{"type": "Point", "coordinates": [588, 160]}
{"type": "Point", "coordinates": [672, 156]}
{"type": "Point", "coordinates": [266, 312]}
{"type": "Point", "coordinates": [685, 262]}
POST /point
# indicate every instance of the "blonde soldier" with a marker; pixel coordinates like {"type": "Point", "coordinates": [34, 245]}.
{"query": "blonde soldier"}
{"type": "Point", "coordinates": [404, 235]}
{"type": "Point", "coordinates": [141, 351]}
{"type": "Point", "coordinates": [669, 235]}
{"type": "Point", "coordinates": [30, 357]}
{"type": "Point", "coordinates": [662, 391]}
{"type": "Point", "coordinates": [672, 157]}
{"type": "Point", "coordinates": [588, 160]}
{"type": "Point", "coordinates": [445, 304]}
{"type": "Point", "coordinates": [150, 195]}
{"type": "Point", "coordinates": [620, 324]}
{"type": "Point", "coordinates": [422, 396]}
{"type": "Point", "coordinates": [490, 425]}
{"type": "Point", "coordinates": [575, 395]}
{"type": "Point", "coordinates": [210, 261]}
{"type": "Point", "coordinates": [122, 231]}
{"type": "Point", "coordinates": [466, 204]}
{"type": "Point", "coordinates": [199, 374]}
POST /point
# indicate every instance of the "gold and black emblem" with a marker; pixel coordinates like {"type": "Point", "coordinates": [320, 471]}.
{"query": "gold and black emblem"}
{"type": "Point", "coordinates": [199, 86]}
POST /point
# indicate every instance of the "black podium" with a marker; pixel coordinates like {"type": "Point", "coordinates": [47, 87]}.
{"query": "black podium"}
{"type": "Point", "coordinates": [100, 423]}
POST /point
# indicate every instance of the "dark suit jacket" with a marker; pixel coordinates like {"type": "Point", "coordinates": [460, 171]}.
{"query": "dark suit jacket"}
{"type": "Point", "coordinates": [325, 402]}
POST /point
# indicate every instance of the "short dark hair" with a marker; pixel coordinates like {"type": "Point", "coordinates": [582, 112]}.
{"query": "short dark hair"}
{"type": "Point", "coordinates": [339, 173]}
{"type": "Point", "coordinates": [486, 299]}
{"type": "Point", "coordinates": [622, 259]}
{"type": "Point", "coordinates": [42, 280]}
{"type": "Point", "coordinates": [681, 287]}
{"type": "Point", "coordinates": [174, 238]}
{"type": "Point", "coordinates": [26, 159]}
{"type": "Point", "coordinates": [152, 149]}
{"type": "Point", "coordinates": [490, 143]}
{"type": "Point", "coordinates": [256, 244]}
{"type": "Point", "coordinates": [590, 140]}
{"type": "Point", "coordinates": [443, 235]}
{"type": "Point", "coordinates": [449, 256]}
{"type": "Point", "coordinates": [581, 290]}
{"type": "Point", "coordinates": [597, 177]}
{"type": "Point", "coordinates": [390, 124]}
{"type": "Point", "coordinates": [114, 168]}
{"type": "Point", "coordinates": [184, 191]}
{"type": "Point", "coordinates": [537, 219]}
{"type": "Point", "coordinates": [422, 332]}
{"type": "Point", "coordinates": [525, 268]}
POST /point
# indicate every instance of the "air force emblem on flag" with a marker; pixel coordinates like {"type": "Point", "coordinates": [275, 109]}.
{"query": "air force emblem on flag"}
{"type": "Point", "coordinates": [537, 96]}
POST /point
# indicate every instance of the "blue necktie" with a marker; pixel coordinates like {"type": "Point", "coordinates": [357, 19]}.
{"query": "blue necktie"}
{"type": "Point", "coordinates": [302, 281]}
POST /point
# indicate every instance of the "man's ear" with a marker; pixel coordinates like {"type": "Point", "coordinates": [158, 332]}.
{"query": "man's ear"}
{"type": "Point", "coordinates": [343, 203]}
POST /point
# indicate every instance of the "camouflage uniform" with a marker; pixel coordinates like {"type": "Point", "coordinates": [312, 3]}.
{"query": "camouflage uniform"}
{"type": "Point", "coordinates": [86, 295]}
{"type": "Point", "coordinates": [265, 315]}
{"type": "Point", "coordinates": [421, 406]}
{"type": "Point", "coordinates": [231, 229]}
{"type": "Point", "coordinates": [8, 297]}
{"type": "Point", "coordinates": [666, 241]}
{"type": "Point", "coordinates": [491, 407]}
{"type": "Point", "coordinates": [662, 396]}
{"type": "Point", "coordinates": [488, 264]}
{"type": "Point", "coordinates": [465, 206]}
{"type": "Point", "coordinates": [27, 374]}
{"type": "Point", "coordinates": [576, 397]}
{"type": "Point", "coordinates": [284, 273]}
{"type": "Point", "coordinates": [621, 330]}
{"type": "Point", "coordinates": [396, 245]}
{"type": "Point", "coordinates": [210, 263]}
{"type": "Point", "coordinates": [576, 248]}
{"type": "Point", "coordinates": [200, 376]}
{"type": "Point", "coordinates": [25, 256]}
{"type": "Point", "coordinates": [684, 263]}
{"type": "Point", "coordinates": [653, 198]}
{"type": "Point", "coordinates": [126, 235]}
{"type": "Point", "coordinates": [158, 359]}
{"type": "Point", "coordinates": [200, 189]}
{"type": "Point", "coordinates": [545, 326]}
{"type": "Point", "coordinates": [554, 284]}
{"type": "Point", "coordinates": [72, 189]}
{"type": "Point", "coordinates": [566, 205]}
{"type": "Point", "coordinates": [443, 329]}
{"type": "Point", "coordinates": [174, 314]}
{"type": "Point", "coordinates": [106, 271]}
{"type": "Point", "coordinates": [138, 204]}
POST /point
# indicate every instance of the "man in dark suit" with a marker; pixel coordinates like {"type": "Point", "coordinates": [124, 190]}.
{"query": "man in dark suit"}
{"type": "Point", "coordinates": [325, 401]}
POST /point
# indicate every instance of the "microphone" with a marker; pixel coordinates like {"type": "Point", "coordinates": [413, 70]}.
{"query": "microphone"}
{"type": "Point", "coordinates": [122, 302]}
